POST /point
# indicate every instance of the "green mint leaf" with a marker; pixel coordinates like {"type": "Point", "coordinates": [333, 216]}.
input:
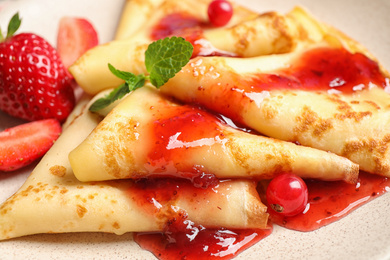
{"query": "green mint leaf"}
{"type": "Point", "coordinates": [165, 57]}
{"type": "Point", "coordinates": [132, 82]}
{"type": "Point", "coordinates": [139, 82]}
{"type": "Point", "coordinates": [13, 25]}
{"type": "Point", "coordinates": [103, 102]}
{"type": "Point", "coordinates": [120, 74]}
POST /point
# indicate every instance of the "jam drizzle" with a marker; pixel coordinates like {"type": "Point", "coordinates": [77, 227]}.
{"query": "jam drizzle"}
{"type": "Point", "coordinates": [323, 69]}
{"type": "Point", "coordinates": [207, 244]}
{"type": "Point", "coordinates": [177, 24]}
{"type": "Point", "coordinates": [190, 28]}
{"type": "Point", "coordinates": [177, 133]}
{"type": "Point", "coordinates": [329, 70]}
{"type": "Point", "coordinates": [182, 238]}
{"type": "Point", "coordinates": [331, 201]}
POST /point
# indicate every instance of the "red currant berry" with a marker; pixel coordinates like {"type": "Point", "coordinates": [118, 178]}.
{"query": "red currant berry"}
{"type": "Point", "coordinates": [287, 195]}
{"type": "Point", "coordinates": [220, 12]}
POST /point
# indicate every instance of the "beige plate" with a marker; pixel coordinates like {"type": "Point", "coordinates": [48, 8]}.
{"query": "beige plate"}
{"type": "Point", "coordinates": [364, 234]}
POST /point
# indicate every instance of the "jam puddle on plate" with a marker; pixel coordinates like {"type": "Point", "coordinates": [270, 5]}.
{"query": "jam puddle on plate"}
{"type": "Point", "coordinates": [330, 201]}
{"type": "Point", "coordinates": [205, 244]}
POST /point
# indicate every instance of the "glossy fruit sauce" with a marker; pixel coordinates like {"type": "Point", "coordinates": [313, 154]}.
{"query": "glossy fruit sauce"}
{"type": "Point", "coordinates": [178, 129]}
{"type": "Point", "coordinates": [317, 70]}
{"type": "Point", "coordinates": [330, 201]}
{"type": "Point", "coordinates": [208, 244]}
{"type": "Point", "coordinates": [323, 69]}
{"type": "Point", "coordinates": [331, 70]}
{"type": "Point", "coordinates": [178, 132]}
{"type": "Point", "coordinates": [191, 29]}
{"type": "Point", "coordinates": [181, 238]}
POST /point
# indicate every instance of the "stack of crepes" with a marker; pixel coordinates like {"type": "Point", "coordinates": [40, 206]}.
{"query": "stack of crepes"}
{"type": "Point", "coordinates": [262, 72]}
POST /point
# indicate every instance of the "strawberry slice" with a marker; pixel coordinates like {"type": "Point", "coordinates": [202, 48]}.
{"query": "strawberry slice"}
{"type": "Point", "coordinates": [23, 144]}
{"type": "Point", "coordinates": [75, 36]}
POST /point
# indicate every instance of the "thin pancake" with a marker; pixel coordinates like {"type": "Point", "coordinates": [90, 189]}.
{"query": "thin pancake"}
{"type": "Point", "coordinates": [52, 200]}
{"type": "Point", "coordinates": [325, 97]}
{"type": "Point", "coordinates": [248, 36]}
{"type": "Point", "coordinates": [148, 135]}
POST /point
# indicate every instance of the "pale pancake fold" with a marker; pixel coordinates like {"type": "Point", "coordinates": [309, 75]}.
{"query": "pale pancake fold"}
{"type": "Point", "coordinates": [354, 125]}
{"type": "Point", "coordinates": [247, 35]}
{"type": "Point", "coordinates": [139, 16]}
{"type": "Point", "coordinates": [121, 145]}
{"type": "Point", "coordinates": [52, 200]}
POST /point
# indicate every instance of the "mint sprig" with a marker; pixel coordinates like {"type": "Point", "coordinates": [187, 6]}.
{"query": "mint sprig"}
{"type": "Point", "coordinates": [163, 59]}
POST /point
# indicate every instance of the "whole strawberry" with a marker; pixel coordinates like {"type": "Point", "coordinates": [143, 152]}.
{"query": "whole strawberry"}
{"type": "Point", "coordinates": [34, 84]}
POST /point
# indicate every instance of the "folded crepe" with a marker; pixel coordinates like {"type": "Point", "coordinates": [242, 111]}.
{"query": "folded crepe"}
{"type": "Point", "coordinates": [134, 16]}
{"type": "Point", "coordinates": [148, 135]}
{"type": "Point", "coordinates": [247, 35]}
{"type": "Point", "coordinates": [326, 97]}
{"type": "Point", "coordinates": [134, 33]}
{"type": "Point", "coordinates": [52, 200]}
{"type": "Point", "coordinates": [351, 123]}
{"type": "Point", "coordinates": [140, 17]}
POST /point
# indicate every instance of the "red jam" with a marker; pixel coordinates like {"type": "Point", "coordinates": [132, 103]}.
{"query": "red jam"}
{"type": "Point", "coordinates": [191, 29]}
{"type": "Point", "coordinates": [321, 69]}
{"type": "Point", "coordinates": [176, 24]}
{"type": "Point", "coordinates": [179, 129]}
{"type": "Point", "coordinates": [182, 238]}
{"type": "Point", "coordinates": [330, 201]}
{"type": "Point", "coordinates": [156, 195]}
{"type": "Point", "coordinates": [207, 244]}
{"type": "Point", "coordinates": [178, 132]}
{"type": "Point", "coordinates": [324, 69]}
